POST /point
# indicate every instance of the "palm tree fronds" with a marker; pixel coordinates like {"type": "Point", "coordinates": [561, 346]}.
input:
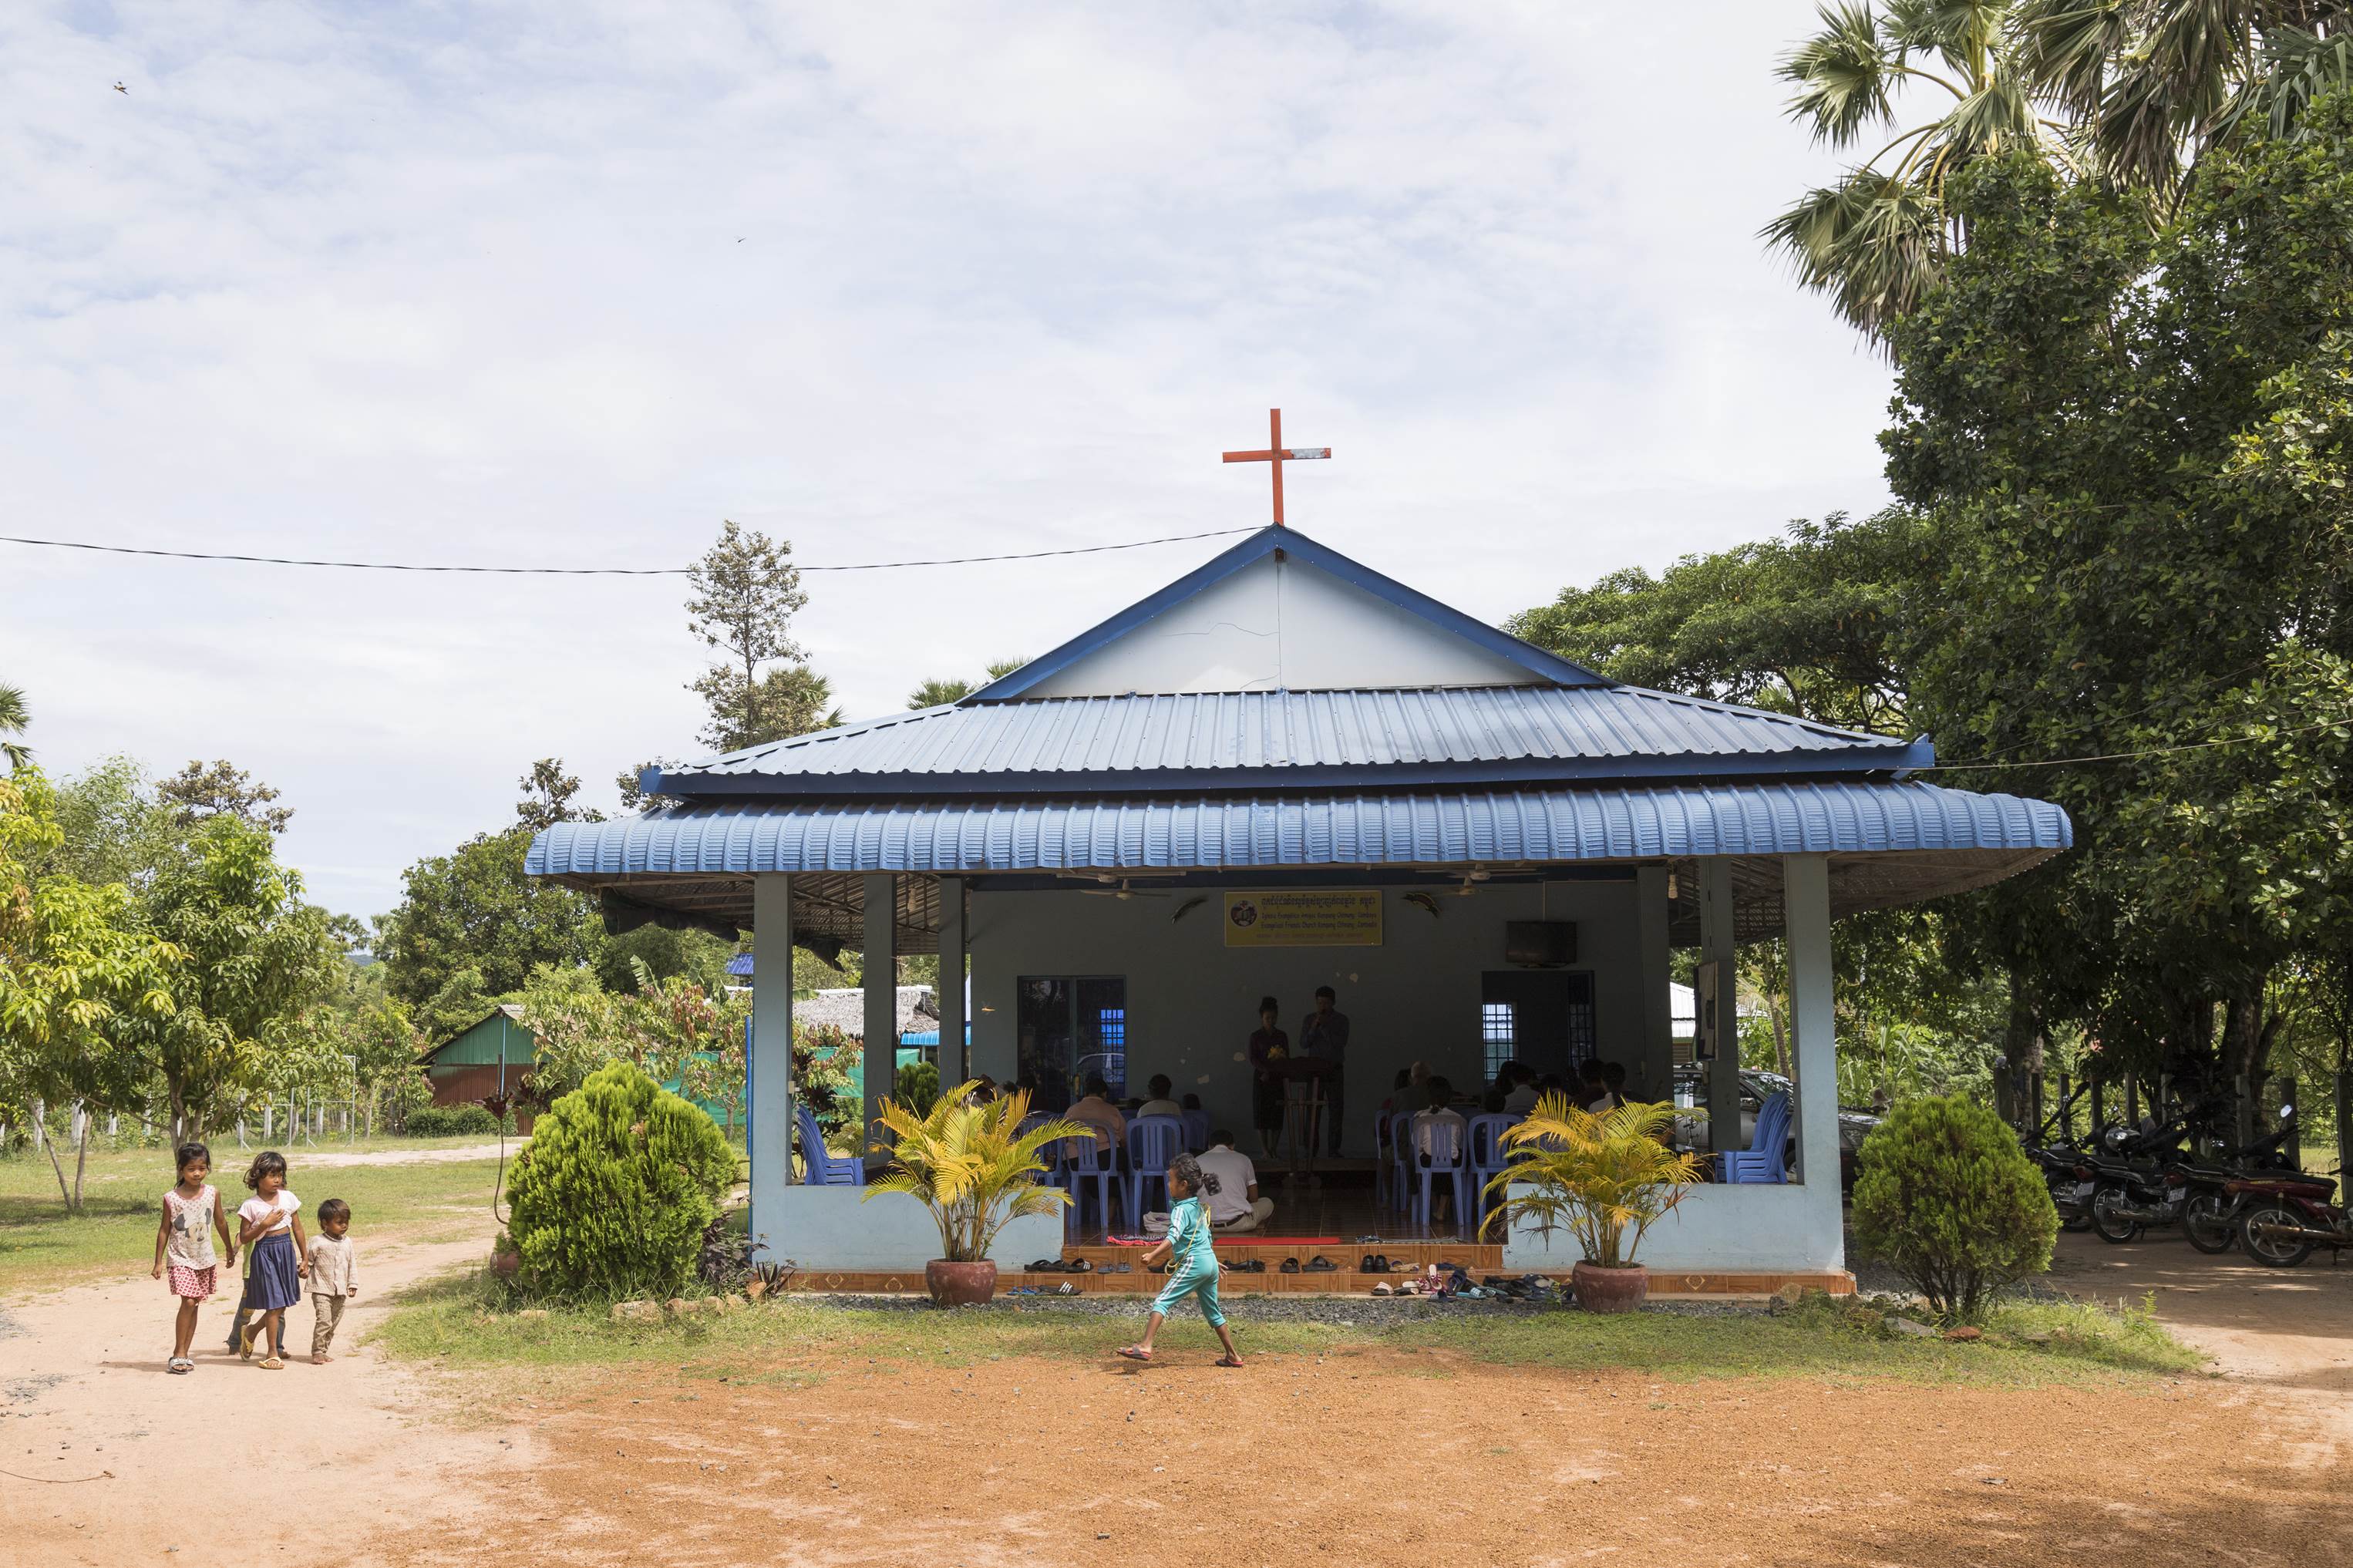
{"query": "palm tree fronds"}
{"type": "Point", "coordinates": [970, 1165]}
{"type": "Point", "coordinates": [2065, 47]}
{"type": "Point", "coordinates": [1844, 75]}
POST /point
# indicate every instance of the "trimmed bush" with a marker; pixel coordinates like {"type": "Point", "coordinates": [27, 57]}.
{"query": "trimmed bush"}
{"type": "Point", "coordinates": [1944, 1195]}
{"type": "Point", "coordinates": [613, 1196]}
{"type": "Point", "coordinates": [919, 1087]}
{"type": "Point", "coordinates": [450, 1121]}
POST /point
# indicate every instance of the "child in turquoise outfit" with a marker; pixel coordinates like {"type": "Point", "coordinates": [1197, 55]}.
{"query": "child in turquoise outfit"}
{"type": "Point", "coordinates": [1193, 1262]}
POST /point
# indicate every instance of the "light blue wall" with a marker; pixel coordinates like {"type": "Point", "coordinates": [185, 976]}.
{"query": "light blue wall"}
{"type": "Point", "coordinates": [822, 1229]}
{"type": "Point", "coordinates": [1191, 1000]}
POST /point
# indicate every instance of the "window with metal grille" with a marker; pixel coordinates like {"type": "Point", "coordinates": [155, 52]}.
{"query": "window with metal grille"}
{"type": "Point", "coordinates": [1499, 1032]}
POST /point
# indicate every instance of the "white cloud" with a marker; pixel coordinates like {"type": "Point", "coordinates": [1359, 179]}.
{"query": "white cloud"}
{"type": "Point", "coordinates": [465, 283]}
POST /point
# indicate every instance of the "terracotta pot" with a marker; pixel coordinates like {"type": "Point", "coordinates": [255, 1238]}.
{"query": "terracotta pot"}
{"type": "Point", "coordinates": [1600, 1290]}
{"type": "Point", "coordinates": [959, 1284]}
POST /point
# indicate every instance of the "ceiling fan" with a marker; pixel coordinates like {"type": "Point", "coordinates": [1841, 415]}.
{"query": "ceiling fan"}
{"type": "Point", "coordinates": [1470, 881]}
{"type": "Point", "coordinates": [1122, 891]}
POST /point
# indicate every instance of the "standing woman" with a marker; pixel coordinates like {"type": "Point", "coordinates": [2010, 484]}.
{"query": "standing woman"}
{"type": "Point", "coordinates": [1267, 1045]}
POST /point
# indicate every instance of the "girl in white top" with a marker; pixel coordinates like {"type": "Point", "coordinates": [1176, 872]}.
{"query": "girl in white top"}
{"type": "Point", "coordinates": [183, 1245]}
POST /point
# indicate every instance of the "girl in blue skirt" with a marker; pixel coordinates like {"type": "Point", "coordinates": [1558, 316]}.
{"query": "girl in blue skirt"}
{"type": "Point", "coordinates": [270, 1226]}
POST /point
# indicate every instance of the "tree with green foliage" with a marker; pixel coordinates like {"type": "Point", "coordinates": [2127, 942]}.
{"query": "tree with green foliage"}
{"type": "Point", "coordinates": [1944, 1195]}
{"type": "Point", "coordinates": [77, 968]}
{"type": "Point", "coordinates": [1807, 625]}
{"type": "Point", "coordinates": [2130, 446]}
{"type": "Point", "coordinates": [745, 591]}
{"type": "Point", "coordinates": [612, 1194]}
{"type": "Point", "coordinates": [198, 791]}
{"type": "Point", "coordinates": [251, 955]}
{"type": "Point", "coordinates": [547, 792]}
{"type": "Point", "coordinates": [475, 910]}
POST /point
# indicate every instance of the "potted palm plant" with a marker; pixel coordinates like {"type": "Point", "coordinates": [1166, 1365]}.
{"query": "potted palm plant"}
{"type": "Point", "coordinates": [1608, 1177]}
{"type": "Point", "coordinates": [975, 1170]}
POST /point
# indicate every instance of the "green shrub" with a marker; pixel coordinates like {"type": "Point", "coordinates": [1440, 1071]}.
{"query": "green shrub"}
{"type": "Point", "coordinates": [612, 1196]}
{"type": "Point", "coordinates": [919, 1087]}
{"type": "Point", "coordinates": [1947, 1198]}
{"type": "Point", "coordinates": [450, 1121]}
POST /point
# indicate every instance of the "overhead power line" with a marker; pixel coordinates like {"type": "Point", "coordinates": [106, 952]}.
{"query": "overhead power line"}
{"type": "Point", "coordinates": [597, 570]}
{"type": "Point", "coordinates": [2132, 756]}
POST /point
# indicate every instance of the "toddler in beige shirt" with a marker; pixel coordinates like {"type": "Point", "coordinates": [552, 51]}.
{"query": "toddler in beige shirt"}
{"type": "Point", "coordinates": [334, 1276]}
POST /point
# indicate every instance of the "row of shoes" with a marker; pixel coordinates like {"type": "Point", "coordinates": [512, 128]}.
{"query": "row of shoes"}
{"type": "Point", "coordinates": [1066, 1266]}
{"type": "Point", "coordinates": [1319, 1264]}
{"type": "Point", "coordinates": [1380, 1263]}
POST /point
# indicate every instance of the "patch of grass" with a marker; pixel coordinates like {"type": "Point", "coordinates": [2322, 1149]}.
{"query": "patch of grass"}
{"type": "Point", "coordinates": [42, 1248]}
{"type": "Point", "coordinates": [457, 1322]}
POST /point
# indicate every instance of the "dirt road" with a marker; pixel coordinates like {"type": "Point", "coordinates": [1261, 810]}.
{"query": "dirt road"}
{"type": "Point", "coordinates": [105, 1459]}
{"type": "Point", "coordinates": [2287, 1332]}
{"type": "Point", "coordinates": [1377, 1456]}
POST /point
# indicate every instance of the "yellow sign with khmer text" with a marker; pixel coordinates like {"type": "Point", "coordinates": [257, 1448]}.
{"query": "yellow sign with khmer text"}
{"type": "Point", "coordinates": [1307, 918]}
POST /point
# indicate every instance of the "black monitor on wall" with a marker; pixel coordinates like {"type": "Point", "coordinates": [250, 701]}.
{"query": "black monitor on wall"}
{"type": "Point", "coordinates": [1540, 942]}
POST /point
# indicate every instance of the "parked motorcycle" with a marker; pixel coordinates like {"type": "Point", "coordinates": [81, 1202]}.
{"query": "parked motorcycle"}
{"type": "Point", "coordinates": [2132, 1189]}
{"type": "Point", "coordinates": [2072, 1182]}
{"type": "Point", "coordinates": [2212, 1220]}
{"type": "Point", "coordinates": [2288, 1214]}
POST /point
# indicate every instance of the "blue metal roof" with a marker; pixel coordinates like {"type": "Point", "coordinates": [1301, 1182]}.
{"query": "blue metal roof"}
{"type": "Point", "coordinates": [1297, 546]}
{"type": "Point", "coordinates": [740, 967]}
{"type": "Point", "coordinates": [1296, 740]}
{"type": "Point", "coordinates": [1550, 825]}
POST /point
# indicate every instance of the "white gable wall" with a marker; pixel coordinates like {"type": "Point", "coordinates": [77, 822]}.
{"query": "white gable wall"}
{"type": "Point", "coordinates": [1280, 625]}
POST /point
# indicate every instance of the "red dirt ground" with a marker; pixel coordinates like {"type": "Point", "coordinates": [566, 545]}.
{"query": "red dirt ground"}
{"type": "Point", "coordinates": [1388, 1458]}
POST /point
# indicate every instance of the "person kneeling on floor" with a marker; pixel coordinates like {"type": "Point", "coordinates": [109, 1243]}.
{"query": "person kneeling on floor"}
{"type": "Point", "coordinates": [1234, 1203]}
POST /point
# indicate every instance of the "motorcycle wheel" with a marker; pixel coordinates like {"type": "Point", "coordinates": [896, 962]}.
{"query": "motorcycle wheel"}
{"type": "Point", "coordinates": [2210, 1224]}
{"type": "Point", "coordinates": [2266, 1249]}
{"type": "Point", "coordinates": [2106, 1223]}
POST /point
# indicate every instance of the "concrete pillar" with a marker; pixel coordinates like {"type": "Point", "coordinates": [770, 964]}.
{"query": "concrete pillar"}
{"type": "Point", "coordinates": [955, 1058]}
{"type": "Point", "coordinates": [1655, 1068]}
{"type": "Point", "coordinates": [769, 1065]}
{"type": "Point", "coordinates": [1718, 945]}
{"type": "Point", "coordinates": [1806, 922]}
{"type": "Point", "coordinates": [881, 959]}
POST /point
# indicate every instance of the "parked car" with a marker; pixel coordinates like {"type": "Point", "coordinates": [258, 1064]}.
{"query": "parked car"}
{"type": "Point", "coordinates": [1756, 1086]}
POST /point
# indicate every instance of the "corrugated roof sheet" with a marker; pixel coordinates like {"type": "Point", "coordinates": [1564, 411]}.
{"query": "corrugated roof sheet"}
{"type": "Point", "coordinates": [1306, 830]}
{"type": "Point", "coordinates": [1394, 737]}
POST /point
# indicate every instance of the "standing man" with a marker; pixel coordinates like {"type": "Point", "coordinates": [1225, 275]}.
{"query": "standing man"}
{"type": "Point", "coordinates": [1325, 1035]}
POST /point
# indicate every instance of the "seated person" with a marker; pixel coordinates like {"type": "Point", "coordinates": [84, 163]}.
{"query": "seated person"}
{"type": "Point", "coordinates": [1613, 1085]}
{"type": "Point", "coordinates": [1097, 1111]}
{"type": "Point", "coordinates": [1524, 1095]}
{"type": "Point", "coordinates": [1437, 1139]}
{"type": "Point", "coordinates": [1163, 1102]}
{"type": "Point", "coordinates": [1232, 1181]}
{"type": "Point", "coordinates": [1192, 1102]}
{"type": "Point", "coordinates": [1589, 1088]}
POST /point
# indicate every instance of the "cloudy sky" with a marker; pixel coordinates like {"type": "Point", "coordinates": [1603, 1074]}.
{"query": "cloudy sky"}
{"type": "Point", "coordinates": [565, 284]}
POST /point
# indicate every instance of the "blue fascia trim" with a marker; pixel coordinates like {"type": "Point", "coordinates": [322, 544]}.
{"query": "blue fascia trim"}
{"type": "Point", "coordinates": [1257, 547]}
{"type": "Point", "coordinates": [1414, 878]}
{"type": "Point", "coordinates": [1895, 756]}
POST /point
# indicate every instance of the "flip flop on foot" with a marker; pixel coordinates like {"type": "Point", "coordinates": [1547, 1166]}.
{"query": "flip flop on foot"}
{"type": "Point", "coordinates": [1229, 1361]}
{"type": "Point", "coordinates": [271, 1364]}
{"type": "Point", "coordinates": [180, 1364]}
{"type": "Point", "coordinates": [1134, 1352]}
{"type": "Point", "coordinates": [244, 1339]}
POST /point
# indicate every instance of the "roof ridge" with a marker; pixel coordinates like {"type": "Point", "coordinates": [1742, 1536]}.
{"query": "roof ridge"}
{"type": "Point", "coordinates": [1749, 710]}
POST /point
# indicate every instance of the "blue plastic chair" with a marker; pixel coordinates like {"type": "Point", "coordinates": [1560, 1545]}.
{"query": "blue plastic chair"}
{"type": "Point", "coordinates": [820, 1166]}
{"type": "Point", "coordinates": [1197, 1130]}
{"type": "Point", "coordinates": [1440, 1164]}
{"type": "Point", "coordinates": [1766, 1158]}
{"type": "Point", "coordinates": [1084, 1160]}
{"type": "Point", "coordinates": [1487, 1161]}
{"type": "Point", "coordinates": [1401, 1162]}
{"type": "Point", "coordinates": [1152, 1142]}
